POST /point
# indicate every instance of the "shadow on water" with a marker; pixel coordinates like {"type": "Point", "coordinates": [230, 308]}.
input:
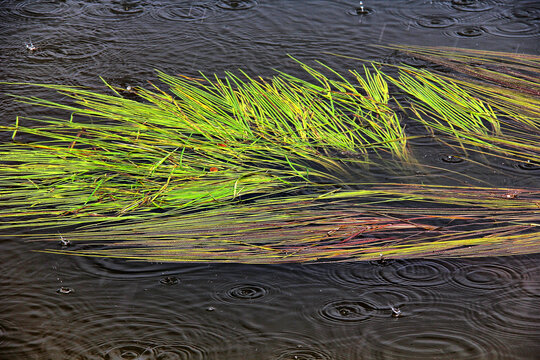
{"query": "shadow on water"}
{"type": "Point", "coordinates": [55, 307]}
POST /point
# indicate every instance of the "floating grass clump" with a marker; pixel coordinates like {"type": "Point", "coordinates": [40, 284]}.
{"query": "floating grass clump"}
{"type": "Point", "coordinates": [379, 222]}
{"type": "Point", "coordinates": [492, 103]}
{"type": "Point", "coordinates": [258, 170]}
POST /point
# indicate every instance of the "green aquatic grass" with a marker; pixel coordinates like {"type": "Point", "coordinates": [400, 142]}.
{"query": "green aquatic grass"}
{"type": "Point", "coordinates": [493, 107]}
{"type": "Point", "coordinates": [245, 169]}
{"type": "Point", "coordinates": [502, 70]}
{"type": "Point", "coordinates": [384, 220]}
{"type": "Point", "coordinates": [446, 108]}
{"type": "Point", "coordinates": [489, 104]}
{"type": "Point", "coordinates": [207, 142]}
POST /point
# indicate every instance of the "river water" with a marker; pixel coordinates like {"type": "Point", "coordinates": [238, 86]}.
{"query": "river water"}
{"type": "Point", "coordinates": [60, 307]}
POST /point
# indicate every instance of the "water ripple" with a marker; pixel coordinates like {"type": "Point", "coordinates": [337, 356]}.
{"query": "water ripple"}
{"type": "Point", "coordinates": [386, 297]}
{"type": "Point", "coordinates": [349, 311]}
{"type": "Point", "coordinates": [443, 15]}
{"type": "Point", "coordinates": [527, 166]}
{"type": "Point", "coordinates": [121, 269]}
{"type": "Point", "coordinates": [425, 273]}
{"type": "Point", "coordinates": [116, 10]}
{"type": "Point", "coordinates": [531, 281]}
{"type": "Point", "coordinates": [203, 11]}
{"type": "Point", "coordinates": [451, 159]}
{"type": "Point", "coordinates": [40, 317]}
{"type": "Point", "coordinates": [469, 31]}
{"type": "Point", "coordinates": [2, 332]}
{"type": "Point", "coordinates": [184, 12]}
{"type": "Point", "coordinates": [282, 345]}
{"type": "Point", "coordinates": [487, 276]}
{"type": "Point", "coordinates": [236, 4]}
{"type": "Point", "coordinates": [48, 9]}
{"type": "Point", "coordinates": [244, 292]}
{"type": "Point", "coordinates": [303, 354]}
{"type": "Point", "coordinates": [514, 28]}
{"type": "Point", "coordinates": [510, 316]}
{"type": "Point", "coordinates": [517, 21]}
{"type": "Point", "coordinates": [145, 336]}
{"type": "Point", "coordinates": [398, 57]}
{"type": "Point", "coordinates": [354, 273]}
{"type": "Point", "coordinates": [435, 21]}
{"type": "Point", "coordinates": [414, 14]}
{"type": "Point", "coordinates": [472, 5]}
{"type": "Point", "coordinates": [34, 304]}
{"type": "Point", "coordinates": [443, 329]}
{"type": "Point", "coordinates": [150, 351]}
{"type": "Point", "coordinates": [403, 342]}
{"type": "Point", "coordinates": [360, 10]}
{"type": "Point", "coordinates": [66, 50]}
{"type": "Point", "coordinates": [526, 12]}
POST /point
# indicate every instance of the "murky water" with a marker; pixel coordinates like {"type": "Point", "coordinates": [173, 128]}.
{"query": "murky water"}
{"type": "Point", "coordinates": [55, 307]}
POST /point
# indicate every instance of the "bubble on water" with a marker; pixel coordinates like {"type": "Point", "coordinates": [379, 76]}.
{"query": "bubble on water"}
{"type": "Point", "coordinates": [436, 21]}
{"type": "Point", "coordinates": [470, 31]}
{"type": "Point", "coordinates": [169, 280]}
{"type": "Point", "coordinates": [236, 4]}
{"type": "Point", "coordinates": [452, 159]}
{"type": "Point", "coordinates": [348, 311]}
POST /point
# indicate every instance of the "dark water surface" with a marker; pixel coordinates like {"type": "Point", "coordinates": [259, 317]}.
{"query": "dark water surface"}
{"type": "Point", "coordinates": [55, 307]}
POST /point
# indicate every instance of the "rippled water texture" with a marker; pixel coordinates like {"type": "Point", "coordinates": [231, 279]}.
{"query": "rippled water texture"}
{"type": "Point", "coordinates": [54, 307]}
{"type": "Point", "coordinates": [448, 309]}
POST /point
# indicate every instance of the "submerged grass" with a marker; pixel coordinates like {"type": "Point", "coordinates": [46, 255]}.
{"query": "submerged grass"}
{"type": "Point", "coordinates": [493, 107]}
{"type": "Point", "coordinates": [248, 169]}
{"type": "Point", "coordinates": [381, 221]}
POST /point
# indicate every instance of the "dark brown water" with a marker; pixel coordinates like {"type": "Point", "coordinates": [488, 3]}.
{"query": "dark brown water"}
{"type": "Point", "coordinates": [54, 307]}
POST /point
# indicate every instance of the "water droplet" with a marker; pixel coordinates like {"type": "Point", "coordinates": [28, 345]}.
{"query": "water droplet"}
{"type": "Point", "coordinates": [247, 292]}
{"type": "Point", "coordinates": [64, 242]}
{"type": "Point", "coordinates": [303, 354]}
{"type": "Point", "coordinates": [64, 290]}
{"type": "Point", "coordinates": [436, 21]}
{"type": "Point", "coordinates": [169, 280]}
{"type": "Point", "coordinates": [470, 31]}
{"type": "Point", "coordinates": [31, 47]}
{"type": "Point", "coordinates": [348, 311]}
{"type": "Point", "coordinates": [382, 261]}
{"type": "Point", "coordinates": [453, 159]}
{"type": "Point", "coordinates": [361, 10]}
{"type": "Point", "coordinates": [236, 4]}
{"type": "Point", "coordinates": [528, 165]}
